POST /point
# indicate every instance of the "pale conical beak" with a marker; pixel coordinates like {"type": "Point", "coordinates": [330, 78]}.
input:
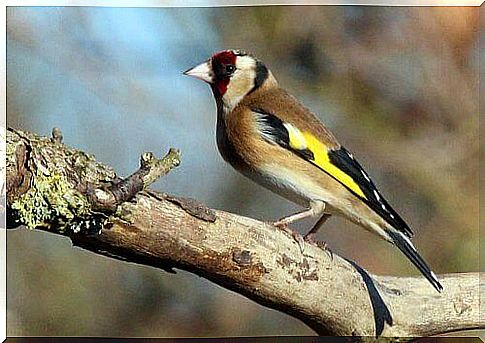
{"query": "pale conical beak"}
{"type": "Point", "coordinates": [202, 72]}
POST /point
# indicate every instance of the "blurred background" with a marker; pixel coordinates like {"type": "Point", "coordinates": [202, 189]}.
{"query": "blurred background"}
{"type": "Point", "coordinates": [398, 86]}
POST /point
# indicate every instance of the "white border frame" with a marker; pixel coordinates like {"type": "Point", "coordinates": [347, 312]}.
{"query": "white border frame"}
{"type": "Point", "coordinates": [3, 221]}
{"type": "Point", "coordinates": [222, 3]}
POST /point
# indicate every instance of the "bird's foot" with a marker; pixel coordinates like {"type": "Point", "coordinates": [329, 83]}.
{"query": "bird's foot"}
{"type": "Point", "coordinates": [310, 238]}
{"type": "Point", "coordinates": [295, 234]}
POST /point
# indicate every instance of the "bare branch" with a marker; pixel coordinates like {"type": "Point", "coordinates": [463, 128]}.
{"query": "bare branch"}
{"type": "Point", "coordinates": [330, 294]}
{"type": "Point", "coordinates": [151, 168]}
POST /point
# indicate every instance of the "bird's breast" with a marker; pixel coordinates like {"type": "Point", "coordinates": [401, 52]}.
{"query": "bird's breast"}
{"type": "Point", "coordinates": [226, 146]}
{"type": "Point", "coordinates": [243, 160]}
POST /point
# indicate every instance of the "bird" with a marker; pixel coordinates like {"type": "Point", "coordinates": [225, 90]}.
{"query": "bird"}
{"type": "Point", "coordinates": [269, 136]}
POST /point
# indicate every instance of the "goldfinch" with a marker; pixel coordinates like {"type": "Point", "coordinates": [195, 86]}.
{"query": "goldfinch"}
{"type": "Point", "coordinates": [270, 137]}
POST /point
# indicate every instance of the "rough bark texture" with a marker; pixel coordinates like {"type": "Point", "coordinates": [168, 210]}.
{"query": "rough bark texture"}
{"type": "Point", "coordinates": [51, 187]}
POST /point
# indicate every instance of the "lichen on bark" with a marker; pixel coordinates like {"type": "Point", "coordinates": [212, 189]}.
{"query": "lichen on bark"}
{"type": "Point", "coordinates": [58, 178]}
{"type": "Point", "coordinates": [50, 198]}
{"type": "Point", "coordinates": [55, 186]}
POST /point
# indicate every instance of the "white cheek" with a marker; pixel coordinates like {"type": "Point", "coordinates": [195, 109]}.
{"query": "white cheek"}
{"type": "Point", "coordinates": [241, 84]}
{"type": "Point", "coordinates": [230, 102]}
{"type": "Point", "coordinates": [245, 63]}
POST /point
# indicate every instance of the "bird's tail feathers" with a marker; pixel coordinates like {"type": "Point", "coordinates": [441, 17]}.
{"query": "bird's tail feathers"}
{"type": "Point", "coordinates": [404, 244]}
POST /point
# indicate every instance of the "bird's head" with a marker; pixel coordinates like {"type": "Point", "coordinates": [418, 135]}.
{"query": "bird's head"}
{"type": "Point", "coordinates": [232, 74]}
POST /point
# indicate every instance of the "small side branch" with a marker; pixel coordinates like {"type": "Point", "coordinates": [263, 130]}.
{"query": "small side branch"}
{"type": "Point", "coordinates": [50, 187]}
{"type": "Point", "coordinates": [151, 169]}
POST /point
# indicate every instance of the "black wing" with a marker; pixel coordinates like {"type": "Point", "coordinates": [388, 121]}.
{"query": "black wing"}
{"type": "Point", "coordinates": [274, 130]}
{"type": "Point", "coordinates": [346, 162]}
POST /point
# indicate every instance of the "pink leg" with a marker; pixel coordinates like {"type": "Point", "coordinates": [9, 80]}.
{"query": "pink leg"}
{"type": "Point", "coordinates": [294, 217]}
{"type": "Point", "coordinates": [318, 225]}
{"type": "Point", "coordinates": [316, 208]}
{"type": "Point", "coordinates": [310, 236]}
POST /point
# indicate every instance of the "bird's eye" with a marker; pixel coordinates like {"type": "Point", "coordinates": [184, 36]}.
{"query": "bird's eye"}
{"type": "Point", "coordinates": [230, 68]}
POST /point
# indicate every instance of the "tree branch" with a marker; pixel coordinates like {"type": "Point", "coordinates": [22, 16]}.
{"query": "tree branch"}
{"type": "Point", "coordinates": [53, 187]}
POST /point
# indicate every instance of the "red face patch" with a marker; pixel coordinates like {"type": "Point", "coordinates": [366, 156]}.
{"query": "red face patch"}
{"type": "Point", "coordinates": [224, 57]}
{"type": "Point", "coordinates": [222, 63]}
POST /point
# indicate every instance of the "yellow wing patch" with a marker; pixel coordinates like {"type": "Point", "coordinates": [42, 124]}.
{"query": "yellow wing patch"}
{"type": "Point", "coordinates": [297, 139]}
{"type": "Point", "coordinates": [304, 140]}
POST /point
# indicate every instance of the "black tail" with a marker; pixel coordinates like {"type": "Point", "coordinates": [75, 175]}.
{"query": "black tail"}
{"type": "Point", "coordinates": [405, 245]}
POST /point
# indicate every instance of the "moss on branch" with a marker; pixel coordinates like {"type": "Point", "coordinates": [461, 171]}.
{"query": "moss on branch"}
{"type": "Point", "coordinates": [53, 185]}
